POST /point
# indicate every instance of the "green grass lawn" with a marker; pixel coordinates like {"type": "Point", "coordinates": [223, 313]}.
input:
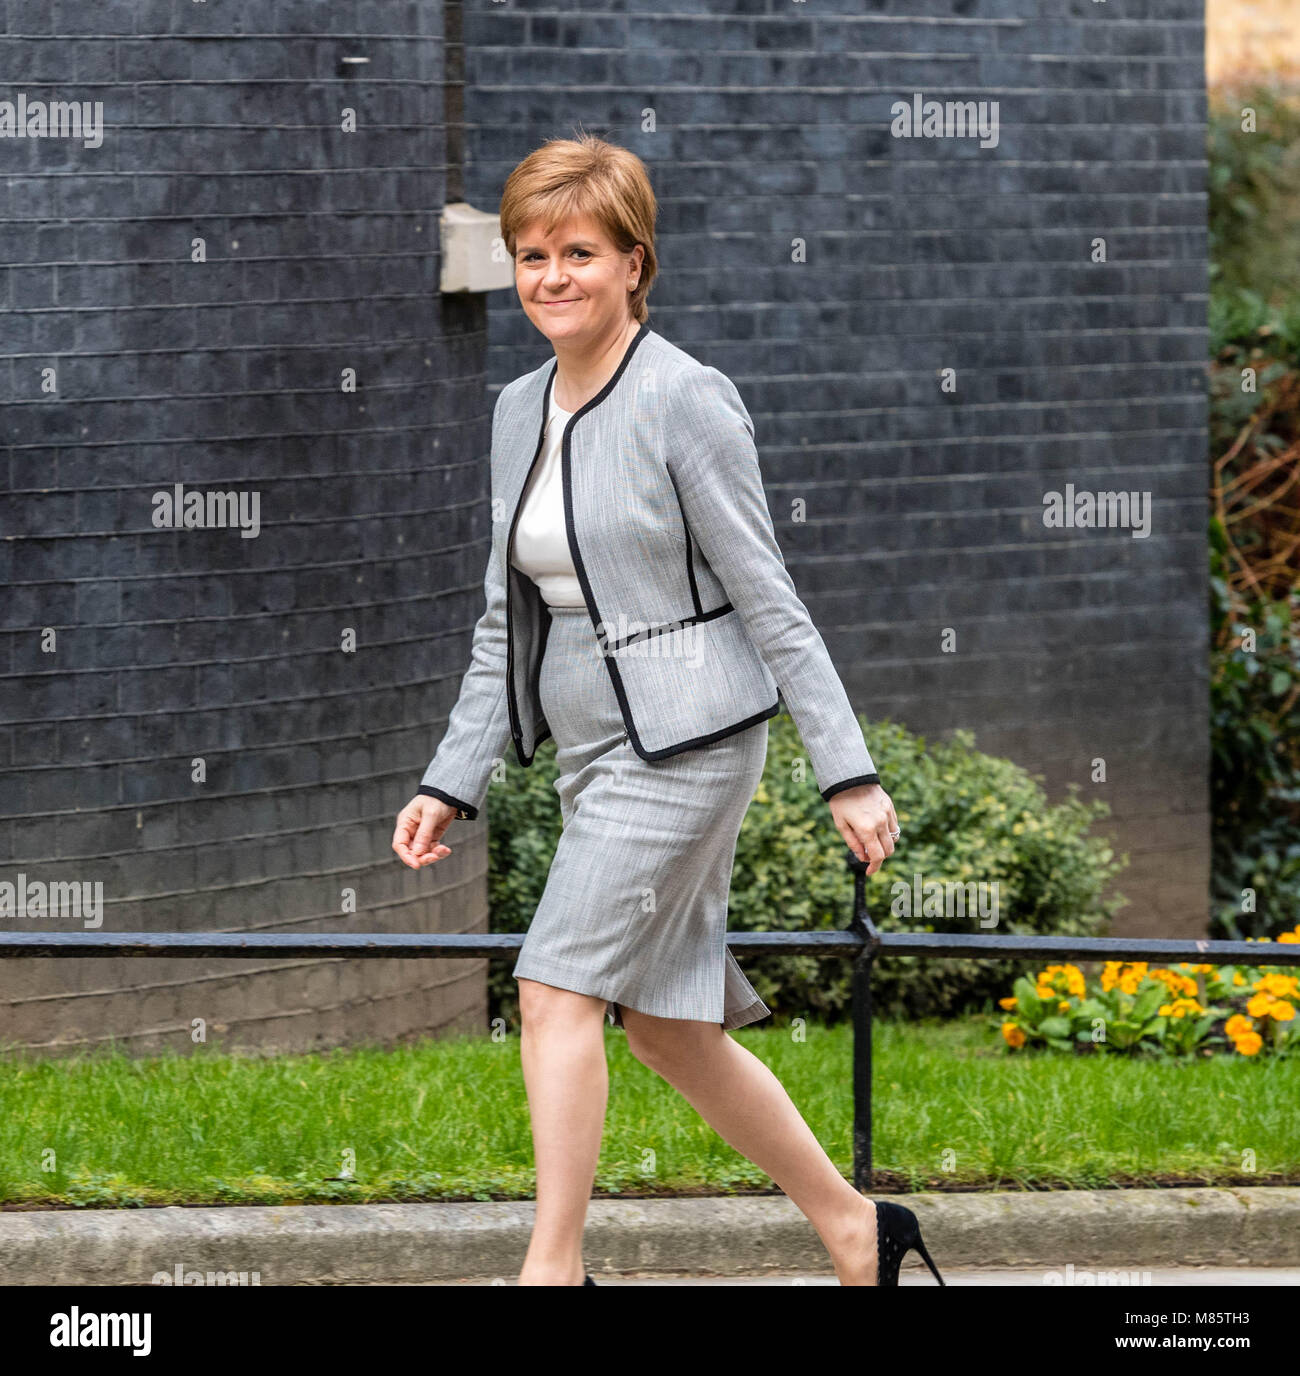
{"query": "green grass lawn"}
{"type": "Point", "coordinates": [448, 1119]}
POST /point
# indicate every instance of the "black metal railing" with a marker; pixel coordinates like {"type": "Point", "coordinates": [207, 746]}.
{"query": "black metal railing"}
{"type": "Point", "coordinates": [862, 942]}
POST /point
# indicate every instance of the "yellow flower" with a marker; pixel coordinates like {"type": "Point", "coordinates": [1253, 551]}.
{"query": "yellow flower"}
{"type": "Point", "coordinates": [1062, 1007]}
{"type": "Point", "coordinates": [1290, 938]}
{"type": "Point", "coordinates": [1007, 1003]}
{"type": "Point", "coordinates": [1128, 977]}
{"type": "Point", "coordinates": [1249, 1043]}
{"type": "Point", "coordinates": [1012, 1034]}
{"type": "Point", "coordinates": [1259, 1006]}
{"type": "Point", "coordinates": [1175, 983]}
{"type": "Point", "coordinates": [1281, 1012]}
{"type": "Point", "coordinates": [1238, 978]}
{"type": "Point", "coordinates": [1237, 1024]}
{"type": "Point", "coordinates": [1180, 1008]}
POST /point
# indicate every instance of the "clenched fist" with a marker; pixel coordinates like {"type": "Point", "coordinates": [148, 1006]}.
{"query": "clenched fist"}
{"type": "Point", "coordinates": [418, 837]}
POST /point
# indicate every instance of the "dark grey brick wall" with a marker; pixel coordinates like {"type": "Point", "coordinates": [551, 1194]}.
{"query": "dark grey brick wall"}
{"type": "Point", "coordinates": [223, 121]}
{"type": "Point", "coordinates": [924, 508]}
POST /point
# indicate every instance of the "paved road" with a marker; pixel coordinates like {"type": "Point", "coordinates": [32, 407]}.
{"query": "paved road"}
{"type": "Point", "coordinates": [1190, 1275]}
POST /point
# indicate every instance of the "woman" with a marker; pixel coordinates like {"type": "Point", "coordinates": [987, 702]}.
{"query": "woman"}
{"type": "Point", "coordinates": [639, 611]}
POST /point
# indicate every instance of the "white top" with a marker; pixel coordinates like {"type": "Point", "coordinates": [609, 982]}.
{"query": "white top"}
{"type": "Point", "coordinates": [541, 548]}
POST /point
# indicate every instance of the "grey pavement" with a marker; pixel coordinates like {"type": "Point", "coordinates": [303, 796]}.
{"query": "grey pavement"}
{"type": "Point", "coordinates": [1183, 1276]}
{"type": "Point", "coordinates": [1075, 1237]}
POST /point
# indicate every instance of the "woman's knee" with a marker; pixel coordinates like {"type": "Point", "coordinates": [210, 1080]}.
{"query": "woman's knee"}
{"type": "Point", "coordinates": [542, 1003]}
{"type": "Point", "coordinates": [661, 1044]}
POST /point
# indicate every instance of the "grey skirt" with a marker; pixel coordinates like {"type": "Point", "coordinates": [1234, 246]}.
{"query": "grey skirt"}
{"type": "Point", "coordinates": [635, 905]}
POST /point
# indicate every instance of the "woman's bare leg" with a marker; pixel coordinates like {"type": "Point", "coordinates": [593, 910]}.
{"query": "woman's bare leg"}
{"type": "Point", "coordinates": [567, 1079]}
{"type": "Point", "coordinates": [748, 1107]}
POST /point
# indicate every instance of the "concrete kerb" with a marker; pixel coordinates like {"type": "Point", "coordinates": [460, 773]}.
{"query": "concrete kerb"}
{"type": "Point", "coordinates": [1114, 1230]}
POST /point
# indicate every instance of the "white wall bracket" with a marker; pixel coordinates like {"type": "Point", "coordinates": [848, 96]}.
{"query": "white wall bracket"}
{"type": "Point", "coordinates": [474, 257]}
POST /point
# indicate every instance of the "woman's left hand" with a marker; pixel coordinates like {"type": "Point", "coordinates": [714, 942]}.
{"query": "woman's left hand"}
{"type": "Point", "coordinates": [865, 817]}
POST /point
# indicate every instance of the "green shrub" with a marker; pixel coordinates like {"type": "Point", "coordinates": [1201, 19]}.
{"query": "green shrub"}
{"type": "Point", "coordinates": [1255, 762]}
{"type": "Point", "coordinates": [1254, 191]}
{"type": "Point", "coordinates": [1254, 692]}
{"type": "Point", "coordinates": [965, 817]}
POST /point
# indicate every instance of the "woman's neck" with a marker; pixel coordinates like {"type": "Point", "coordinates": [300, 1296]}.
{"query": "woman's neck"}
{"type": "Point", "coordinates": [580, 376]}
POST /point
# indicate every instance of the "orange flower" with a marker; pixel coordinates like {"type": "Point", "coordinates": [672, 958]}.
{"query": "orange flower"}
{"type": "Point", "coordinates": [1237, 1025]}
{"type": "Point", "coordinates": [1127, 976]}
{"type": "Point", "coordinates": [1258, 1006]}
{"type": "Point", "coordinates": [1176, 984]}
{"type": "Point", "coordinates": [1281, 1011]}
{"type": "Point", "coordinates": [1050, 980]}
{"type": "Point", "coordinates": [1007, 1003]}
{"type": "Point", "coordinates": [1012, 1034]}
{"type": "Point", "coordinates": [1248, 1043]}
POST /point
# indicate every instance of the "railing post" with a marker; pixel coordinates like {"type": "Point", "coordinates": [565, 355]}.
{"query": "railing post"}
{"type": "Point", "coordinates": [862, 1028]}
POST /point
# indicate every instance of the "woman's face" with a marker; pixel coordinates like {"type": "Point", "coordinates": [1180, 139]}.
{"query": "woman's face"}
{"type": "Point", "coordinates": [574, 285]}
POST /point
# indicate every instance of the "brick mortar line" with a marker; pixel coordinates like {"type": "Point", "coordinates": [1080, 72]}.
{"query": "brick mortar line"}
{"type": "Point", "coordinates": [831, 522]}
{"type": "Point", "coordinates": [966, 661]}
{"type": "Point", "coordinates": [34, 678]}
{"type": "Point", "coordinates": [158, 986]}
{"type": "Point", "coordinates": [1104, 370]}
{"type": "Point", "coordinates": [186, 1030]}
{"type": "Point", "coordinates": [817, 484]}
{"type": "Point", "coordinates": [852, 198]}
{"type": "Point", "coordinates": [856, 413]}
{"type": "Point", "coordinates": [381, 861]}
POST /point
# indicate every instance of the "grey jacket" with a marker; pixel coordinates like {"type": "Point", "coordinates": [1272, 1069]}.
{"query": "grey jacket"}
{"type": "Point", "coordinates": [689, 597]}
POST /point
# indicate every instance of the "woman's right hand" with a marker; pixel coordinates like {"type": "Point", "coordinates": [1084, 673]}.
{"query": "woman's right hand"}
{"type": "Point", "coordinates": [420, 824]}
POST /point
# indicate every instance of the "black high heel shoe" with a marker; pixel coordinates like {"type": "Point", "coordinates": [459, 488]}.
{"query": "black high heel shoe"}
{"type": "Point", "coordinates": [897, 1232]}
{"type": "Point", "coordinates": [589, 1281]}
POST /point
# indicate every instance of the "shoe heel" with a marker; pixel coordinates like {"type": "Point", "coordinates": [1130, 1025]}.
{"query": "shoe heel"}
{"type": "Point", "coordinates": [925, 1257]}
{"type": "Point", "coordinates": [897, 1233]}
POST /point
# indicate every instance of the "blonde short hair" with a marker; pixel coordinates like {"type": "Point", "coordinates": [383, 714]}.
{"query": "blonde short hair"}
{"type": "Point", "coordinates": [586, 177]}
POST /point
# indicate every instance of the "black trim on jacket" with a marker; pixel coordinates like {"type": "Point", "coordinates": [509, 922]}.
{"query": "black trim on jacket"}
{"type": "Point", "coordinates": [690, 547]}
{"type": "Point", "coordinates": [467, 813]}
{"type": "Point", "coordinates": [667, 628]}
{"type": "Point", "coordinates": [593, 611]}
{"type": "Point", "coordinates": [589, 597]}
{"type": "Point", "coordinates": [850, 783]}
